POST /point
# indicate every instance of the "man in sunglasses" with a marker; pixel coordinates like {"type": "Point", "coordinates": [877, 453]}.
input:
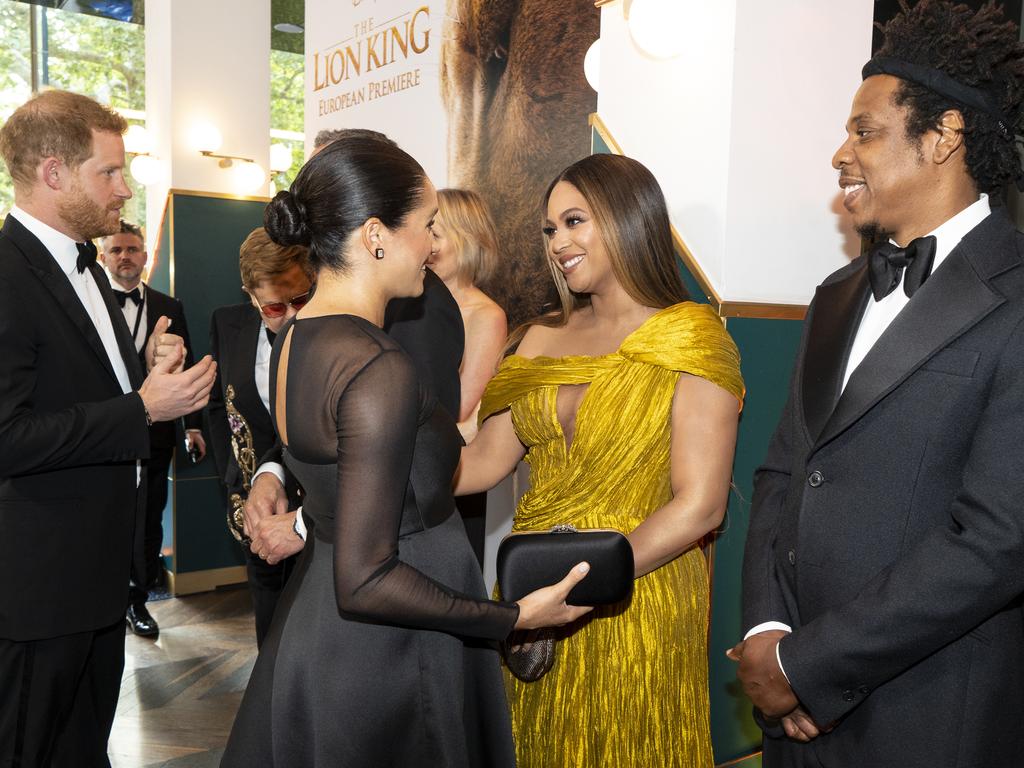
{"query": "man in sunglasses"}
{"type": "Point", "coordinates": [278, 281]}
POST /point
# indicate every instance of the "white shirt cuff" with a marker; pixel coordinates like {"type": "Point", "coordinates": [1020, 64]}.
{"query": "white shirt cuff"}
{"type": "Point", "coordinates": [765, 627]}
{"type": "Point", "coordinates": [300, 524]}
{"type": "Point", "coordinates": [274, 468]}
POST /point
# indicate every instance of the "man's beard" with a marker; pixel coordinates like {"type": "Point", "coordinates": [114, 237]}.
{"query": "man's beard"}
{"type": "Point", "coordinates": [873, 232]}
{"type": "Point", "coordinates": [84, 215]}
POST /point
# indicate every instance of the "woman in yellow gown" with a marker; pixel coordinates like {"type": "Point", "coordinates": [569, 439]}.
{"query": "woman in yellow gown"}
{"type": "Point", "coordinates": [625, 404]}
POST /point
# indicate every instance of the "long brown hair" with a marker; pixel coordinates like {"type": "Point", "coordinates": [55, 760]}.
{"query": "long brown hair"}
{"type": "Point", "coordinates": [632, 220]}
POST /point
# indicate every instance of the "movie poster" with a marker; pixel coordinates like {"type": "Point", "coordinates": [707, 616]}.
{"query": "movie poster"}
{"type": "Point", "coordinates": [487, 94]}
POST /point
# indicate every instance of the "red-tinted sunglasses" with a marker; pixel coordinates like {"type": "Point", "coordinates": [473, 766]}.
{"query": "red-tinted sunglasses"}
{"type": "Point", "coordinates": [278, 308]}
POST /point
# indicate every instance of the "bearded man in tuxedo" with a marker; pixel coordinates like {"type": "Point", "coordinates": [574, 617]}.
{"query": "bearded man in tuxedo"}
{"type": "Point", "coordinates": [124, 255]}
{"type": "Point", "coordinates": [882, 577]}
{"type": "Point", "coordinates": [74, 418]}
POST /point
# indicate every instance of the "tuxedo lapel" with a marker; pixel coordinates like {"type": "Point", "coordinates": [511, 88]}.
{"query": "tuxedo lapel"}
{"type": "Point", "coordinates": [244, 373]}
{"type": "Point", "coordinates": [954, 299]}
{"type": "Point", "coordinates": [42, 263]}
{"type": "Point", "coordinates": [125, 345]}
{"type": "Point", "coordinates": [838, 308]}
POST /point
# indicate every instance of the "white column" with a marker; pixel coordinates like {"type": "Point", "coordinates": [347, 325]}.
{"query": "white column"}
{"type": "Point", "coordinates": [740, 130]}
{"type": "Point", "coordinates": [206, 61]}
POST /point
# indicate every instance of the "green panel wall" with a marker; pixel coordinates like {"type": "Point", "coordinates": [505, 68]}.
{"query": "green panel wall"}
{"type": "Point", "coordinates": [767, 350]}
{"type": "Point", "coordinates": [207, 232]}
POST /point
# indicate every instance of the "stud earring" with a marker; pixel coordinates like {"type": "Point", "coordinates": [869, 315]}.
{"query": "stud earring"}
{"type": "Point", "coordinates": [379, 253]}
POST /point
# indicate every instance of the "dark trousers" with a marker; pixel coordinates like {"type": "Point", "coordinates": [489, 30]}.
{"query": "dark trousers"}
{"type": "Point", "coordinates": [266, 582]}
{"type": "Point", "coordinates": [156, 470]}
{"type": "Point", "coordinates": [58, 697]}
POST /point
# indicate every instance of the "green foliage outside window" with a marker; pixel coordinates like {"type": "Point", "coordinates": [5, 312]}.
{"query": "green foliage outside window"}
{"type": "Point", "coordinates": [287, 106]}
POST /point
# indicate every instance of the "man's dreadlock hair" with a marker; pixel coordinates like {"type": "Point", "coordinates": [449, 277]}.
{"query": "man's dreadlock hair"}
{"type": "Point", "coordinates": [980, 49]}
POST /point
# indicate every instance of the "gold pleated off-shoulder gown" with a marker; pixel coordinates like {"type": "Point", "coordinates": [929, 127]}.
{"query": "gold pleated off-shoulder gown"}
{"type": "Point", "coordinates": [629, 686]}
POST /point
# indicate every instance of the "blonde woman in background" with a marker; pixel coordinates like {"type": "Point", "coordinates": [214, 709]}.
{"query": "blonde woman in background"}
{"type": "Point", "coordinates": [464, 252]}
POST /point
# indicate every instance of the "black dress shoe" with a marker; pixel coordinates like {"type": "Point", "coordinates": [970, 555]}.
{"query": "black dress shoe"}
{"type": "Point", "coordinates": [140, 622]}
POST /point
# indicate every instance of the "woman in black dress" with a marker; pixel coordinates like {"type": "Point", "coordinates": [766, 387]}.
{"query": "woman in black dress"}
{"type": "Point", "coordinates": [381, 652]}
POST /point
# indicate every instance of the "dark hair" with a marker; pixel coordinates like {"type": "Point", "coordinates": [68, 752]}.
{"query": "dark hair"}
{"type": "Point", "coordinates": [632, 219]}
{"type": "Point", "coordinates": [327, 135]}
{"type": "Point", "coordinates": [358, 176]}
{"type": "Point", "coordinates": [979, 49]}
{"type": "Point", "coordinates": [126, 228]}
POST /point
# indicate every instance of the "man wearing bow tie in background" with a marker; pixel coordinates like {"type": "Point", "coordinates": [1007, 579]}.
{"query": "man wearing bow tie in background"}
{"type": "Point", "coordinates": [124, 255]}
{"type": "Point", "coordinates": [884, 568]}
{"type": "Point", "coordinates": [74, 411]}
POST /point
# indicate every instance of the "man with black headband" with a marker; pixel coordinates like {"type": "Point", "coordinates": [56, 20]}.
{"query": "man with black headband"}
{"type": "Point", "coordinates": [885, 557]}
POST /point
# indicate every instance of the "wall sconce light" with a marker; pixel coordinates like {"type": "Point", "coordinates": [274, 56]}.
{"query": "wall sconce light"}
{"type": "Point", "coordinates": [654, 25]}
{"type": "Point", "coordinates": [145, 168]}
{"type": "Point", "coordinates": [246, 174]}
{"type": "Point", "coordinates": [280, 158]}
{"type": "Point", "coordinates": [204, 137]}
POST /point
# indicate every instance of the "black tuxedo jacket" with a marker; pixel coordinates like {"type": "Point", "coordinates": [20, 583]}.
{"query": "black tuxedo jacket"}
{"type": "Point", "coordinates": [429, 328]}
{"type": "Point", "coordinates": [164, 433]}
{"type": "Point", "coordinates": [69, 439]}
{"type": "Point", "coordinates": [234, 335]}
{"type": "Point", "coordinates": [888, 522]}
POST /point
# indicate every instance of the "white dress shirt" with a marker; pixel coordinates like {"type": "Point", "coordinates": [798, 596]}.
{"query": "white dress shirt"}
{"type": "Point", "coordinates": [132, 313]}
{"type": "Point", "coordinates": [65, 251]}
{"type": "Point", "coordinates": [879, 314]}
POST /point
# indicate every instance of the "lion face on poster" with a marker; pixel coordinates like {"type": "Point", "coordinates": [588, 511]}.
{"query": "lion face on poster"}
{"type": "Point", "coordinates": [513, 85]}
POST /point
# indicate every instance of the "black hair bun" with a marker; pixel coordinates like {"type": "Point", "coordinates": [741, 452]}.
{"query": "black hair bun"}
{"type": "Point", "coordinates": [285, 220]}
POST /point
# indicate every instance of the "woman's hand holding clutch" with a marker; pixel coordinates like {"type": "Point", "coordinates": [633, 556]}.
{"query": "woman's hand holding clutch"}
{"type": "Point", "coordinates": [546, 607]}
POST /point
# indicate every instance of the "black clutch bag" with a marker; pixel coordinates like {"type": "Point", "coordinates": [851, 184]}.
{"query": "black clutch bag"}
{"type": "Point", "coordinates": [530, 560]}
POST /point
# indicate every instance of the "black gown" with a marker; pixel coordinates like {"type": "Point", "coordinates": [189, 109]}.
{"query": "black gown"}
{"type": "Point", "coordinates": [382, 649]}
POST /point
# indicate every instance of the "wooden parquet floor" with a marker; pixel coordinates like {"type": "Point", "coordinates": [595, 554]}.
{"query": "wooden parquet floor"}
{"type": "Point", "coordinates": [179, 693]}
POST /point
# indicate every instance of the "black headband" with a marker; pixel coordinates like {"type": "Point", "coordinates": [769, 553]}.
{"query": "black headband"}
{"type": "Point", "coordinates": [938, 81]}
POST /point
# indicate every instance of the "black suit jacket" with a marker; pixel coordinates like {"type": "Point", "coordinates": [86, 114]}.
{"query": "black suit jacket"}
{"type": "Point", "coordinates": [888, 524]}
{"type": "Point", "coordinates": [234, 335]}
{"type": "Point", "coordinates": [164, 433]}
{"type": "Point", "coordinates": [429, 328]}
{"type": "Point", "coordinates": [69, 439]}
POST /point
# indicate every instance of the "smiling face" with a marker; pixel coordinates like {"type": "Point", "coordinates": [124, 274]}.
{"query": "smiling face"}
{"type": "Point", "coordinates": [90, 201]}
{"type": "Point", "coordinates": [407, 248]}
{"type": "Point", "coordinates": [888, 183]}
{"type": "Point", "coordinates": [124, 256]}
{"type": "Point", "coordinates": [575, 246]}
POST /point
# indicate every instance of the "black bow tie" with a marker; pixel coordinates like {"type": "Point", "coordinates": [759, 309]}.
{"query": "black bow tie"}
{"type": "Point", "coordinates": [270, 336]}
{"type": "Point", "coordinates": [86, 255]}
{"type": "Point", "coordinates": [886, 263]}
{"type": "Point", "coordinates": [123, 296]}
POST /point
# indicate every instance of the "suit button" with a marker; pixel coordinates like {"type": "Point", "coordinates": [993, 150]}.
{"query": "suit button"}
{"type": "Point", "coordinates": [849, 696]}
{"type": "Point", "coordinates": [792, 557]}
{"type": "Point", "coordinates": [864, 690]}
{"type": "Point", "coordinates": [815, 479]}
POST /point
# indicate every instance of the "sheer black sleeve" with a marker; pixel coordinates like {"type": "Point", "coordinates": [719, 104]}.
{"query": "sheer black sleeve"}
{"type": "Point", "coordinates": [377, 422]}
